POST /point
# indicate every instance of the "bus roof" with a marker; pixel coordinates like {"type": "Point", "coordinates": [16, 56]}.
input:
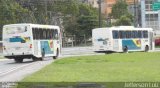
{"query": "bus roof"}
{"type": "Point", "coordinates": [33, 25]}
{"type": "Point", "coordinates": [123, 28]}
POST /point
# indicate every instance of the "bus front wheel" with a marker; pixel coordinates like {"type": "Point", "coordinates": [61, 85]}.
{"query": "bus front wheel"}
{"type": "Point", "coordinates": [146, 48]}
{"type": "Point", "coordinates": [57, 54]}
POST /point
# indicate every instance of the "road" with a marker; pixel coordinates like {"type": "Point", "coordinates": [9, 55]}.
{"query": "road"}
{"type": "Point", "coordinates": [13, 72]}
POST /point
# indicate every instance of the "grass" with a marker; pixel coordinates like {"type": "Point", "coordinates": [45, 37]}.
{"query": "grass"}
{"type": "Point", "coordinates": [138, 66]}
{"type": "Point", "coordinates": [157, 46]}
{"type": "Point", "coordinates": [1, 57]}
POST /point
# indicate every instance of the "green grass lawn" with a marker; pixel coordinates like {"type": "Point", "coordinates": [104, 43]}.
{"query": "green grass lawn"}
{"type": "Point", "coordinates": [116, 67]}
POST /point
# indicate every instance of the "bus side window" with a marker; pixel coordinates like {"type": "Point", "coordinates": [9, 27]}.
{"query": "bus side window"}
{"type": "Point", "coordinates": [40, 33]}
{"type": "Point", "coordinates": [115, 34]}
{"type": "Point", "coordinates": [139, 34]}
{"type": "Point", "coordinates": [129, 34]}
{"type": "Point", "coordinates": [52, 33]}
{"type": "Point", "coordinates": [46, 30]}
{"type": "Point", "coordinates": [134, 34]}
{"type": "Point", "coordinates": [37, 33]}
{"type": "Point", "coordinates": [145, 34]}
{"type": "Point", "coordinates": [56, 34]}
{"type": "Point", "coordinates": [48, 34]}
{"type": "Point", "coordinates": [123, 34]}
{"type": "Point", "coordinates": [34, 33]}
{"type": "Point", "coordinates": [120, 34]}
{"type": "Point", "coordinates": [45, 34]}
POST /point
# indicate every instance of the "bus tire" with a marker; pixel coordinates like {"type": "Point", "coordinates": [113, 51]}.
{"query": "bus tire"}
{"type": "Point", "coordinates": [18, 60]}
{"type": "Point", "coordinates": [57, 54]}
{"type": "Point", "coordinates": [125, 49]}
{"type": "Point", "coordinates": [34, 58]}
{"type": "Point", "coordinates": [146, 48]}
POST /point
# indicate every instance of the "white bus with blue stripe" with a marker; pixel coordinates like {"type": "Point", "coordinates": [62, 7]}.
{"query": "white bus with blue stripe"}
{"type": "Point", "coordinates": [31, 41]}
{"type": "Point", "coordinates": [122, 39]}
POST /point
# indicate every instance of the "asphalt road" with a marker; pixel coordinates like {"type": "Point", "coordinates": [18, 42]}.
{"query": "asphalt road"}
{"type": "Point", "coordinates": [13, 72]}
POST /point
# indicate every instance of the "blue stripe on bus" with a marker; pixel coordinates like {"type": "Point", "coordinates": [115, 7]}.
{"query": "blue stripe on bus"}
{"type": "Point", "coordinates": [130, 44]}
{"type": "Point", "coordinates": [17, 39]}
{"type": "Point", "coordinates": [46, 47]}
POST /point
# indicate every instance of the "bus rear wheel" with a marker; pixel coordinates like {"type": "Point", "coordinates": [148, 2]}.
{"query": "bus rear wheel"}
{"type": "Point", "coordinates": [146, 48]}
{"type": "Point", "coordinates": [18, 60]}
{"type": "Point", "coordinates": [57, 54]}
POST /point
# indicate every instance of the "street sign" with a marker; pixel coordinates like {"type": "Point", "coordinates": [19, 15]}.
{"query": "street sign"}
{"type": "Point", "coordinates": [156, 6]}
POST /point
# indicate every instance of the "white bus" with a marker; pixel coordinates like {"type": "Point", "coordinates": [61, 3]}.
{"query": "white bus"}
{"type": "Point", "coordinates": [122, 39]}
{"type": "Point", "coordinates": [31, 41]}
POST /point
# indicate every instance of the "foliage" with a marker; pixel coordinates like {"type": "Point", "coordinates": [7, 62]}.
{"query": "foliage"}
{"type": "Point", "coordinates": [11, 12]}
{"type": "Point", "coordinates": [78, 19]}
{"type": "Point", "coordinates": [83, 23]}
{"type": "Point", "coordinates": [119, 9]}
{"type": "Point", "coordinates": [86, 24]}
{"type": "Point", "coordinates": [124, 20]}
{"type": "Point", "coordinates": [121, 14]}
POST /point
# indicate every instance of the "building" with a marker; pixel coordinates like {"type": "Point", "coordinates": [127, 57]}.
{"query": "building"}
{"type": "Point", "coordinates": [150, 16]}
{"type": "Point", "coordinates": [93, 3]}
{"type": "Point", "coordinates": [107, 6]}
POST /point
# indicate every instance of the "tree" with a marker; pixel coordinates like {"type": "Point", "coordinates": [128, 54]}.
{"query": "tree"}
{"type": "Point", "coordinates": [120, 14]}
{"type": "Point", "coordinates": [11, 12]}
{"type": "Point", "coordinates": [86, 24]}
{"type": "Point", "coordinates": [77, 18]}
{"type": "Point", "coordinates": [85, 21]}
{"type": "Point", "coordinates": [124, 20]}
{"type": "Point", "coordinates": [119, 9]}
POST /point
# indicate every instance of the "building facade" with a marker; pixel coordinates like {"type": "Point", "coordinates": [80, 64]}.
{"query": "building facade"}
{"type": "Point", "coordinates": [149, 16]}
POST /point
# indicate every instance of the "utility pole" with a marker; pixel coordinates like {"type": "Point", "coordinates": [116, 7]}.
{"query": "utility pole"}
{"type": "Point", "coordinates": [99, 2]}
{"type": "Point", "coordinates": [135, 14]}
